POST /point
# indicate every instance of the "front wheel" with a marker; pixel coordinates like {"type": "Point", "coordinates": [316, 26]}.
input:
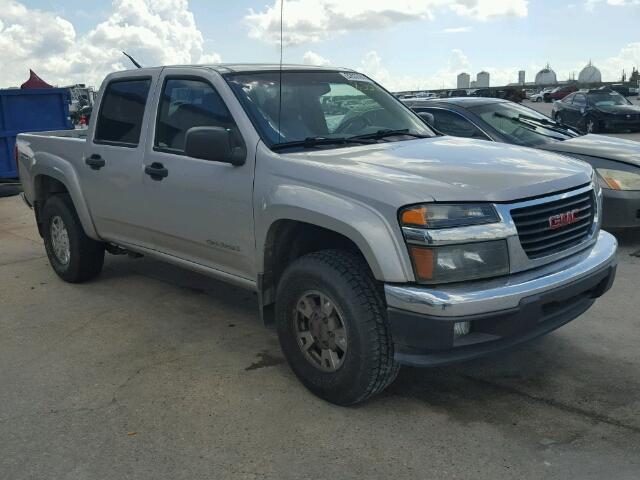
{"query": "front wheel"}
{"type": "Point", "coordinates": [591, 125]}
{"type": "Point", "coordinates": [332, 327]}
{"type": "Point", "coordinates": [74, 256]}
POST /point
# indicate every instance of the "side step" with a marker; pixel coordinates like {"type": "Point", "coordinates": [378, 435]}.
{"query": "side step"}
{"type": "Point", "coordinates": [114, 249]}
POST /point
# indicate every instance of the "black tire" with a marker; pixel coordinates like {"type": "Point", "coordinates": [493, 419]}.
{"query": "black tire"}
{"type": "Point", "coordinates": [368, 366]}
{"type": "Point", "coordinates": [86, 256]}
{"type": "Point", "coordinates": [558, 118]}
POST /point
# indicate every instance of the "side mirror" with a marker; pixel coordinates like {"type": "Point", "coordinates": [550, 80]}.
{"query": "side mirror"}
{"type": "Point", "coordinates": [213, 143]}
{"type": "Point", "coordinates": [427, 118]}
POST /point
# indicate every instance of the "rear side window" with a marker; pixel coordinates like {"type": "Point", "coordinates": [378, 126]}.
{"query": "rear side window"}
{"type": "Point", "coordinates": [122, 111]}
{"type": "Point", "coordinates": [185, 104]}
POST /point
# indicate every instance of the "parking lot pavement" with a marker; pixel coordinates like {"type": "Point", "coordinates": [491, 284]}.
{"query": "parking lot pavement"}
{"type": "Point", "coordinates": [151, 372]}
{"type": "Point", "coordinates": [546, 108]}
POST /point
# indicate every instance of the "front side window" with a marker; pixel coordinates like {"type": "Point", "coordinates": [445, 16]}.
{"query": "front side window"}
{"type": "Point", "coordinates": [188, 103]}
{"type": "Point", "coordinates": [579, 100]}
{"type": "Point", "coordinates": [320, 104]}
{"type": "Point", "coordinates": [451, 123]}
{"type": "Point", "coordinates": [122, 112]}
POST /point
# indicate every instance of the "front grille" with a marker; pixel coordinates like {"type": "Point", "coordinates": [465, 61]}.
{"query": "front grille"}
{"type": "Point", "coordinates": [539, 239]}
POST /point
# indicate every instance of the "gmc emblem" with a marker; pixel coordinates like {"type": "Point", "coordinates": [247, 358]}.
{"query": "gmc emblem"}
{"type": "Point", "coordinates": [563, 219]}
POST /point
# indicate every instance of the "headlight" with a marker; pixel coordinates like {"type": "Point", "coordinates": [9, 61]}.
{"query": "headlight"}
{"type": "Point", "coordinates": [442, 215]}
{"type": "Point", "coordinates": [618, 179]}
{"type": "Point", "coordinates": [456, 263]}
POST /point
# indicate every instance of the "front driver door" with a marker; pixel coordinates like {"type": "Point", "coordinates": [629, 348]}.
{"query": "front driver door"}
{"type": "Point", "coordinates": [196, 210]}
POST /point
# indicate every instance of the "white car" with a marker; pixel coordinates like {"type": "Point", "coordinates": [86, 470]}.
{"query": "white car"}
{"type": "Point", "coordinates": [539, 97]}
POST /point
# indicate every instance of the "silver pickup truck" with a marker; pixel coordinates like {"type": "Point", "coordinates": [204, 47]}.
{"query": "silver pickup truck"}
{"type": "Point", "coordinates": [370, 240]}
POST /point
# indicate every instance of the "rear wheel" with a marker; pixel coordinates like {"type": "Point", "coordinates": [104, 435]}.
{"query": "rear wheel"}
{"type": "Point", "coordinates": [332, 327]}
{"type": "Point", "coordinates": [74, 256]}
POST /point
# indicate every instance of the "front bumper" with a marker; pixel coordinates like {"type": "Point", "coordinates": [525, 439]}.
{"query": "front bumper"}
{"type": "Point", "coordinates": [502, 312]}
{"type": "Point", "coordinates": [617, 123]}
{"type": "Point", "coordinates": [621, 208]}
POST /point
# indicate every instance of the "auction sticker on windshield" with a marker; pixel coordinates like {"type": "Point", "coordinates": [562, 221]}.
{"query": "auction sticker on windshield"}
{"type": "Point", "coordinates": [355, 77]}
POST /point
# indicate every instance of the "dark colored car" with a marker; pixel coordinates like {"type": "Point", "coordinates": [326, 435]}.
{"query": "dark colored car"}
{"type": "Point", "coordinates": [559, 93]}
{"type": "Point", "coordinates": [615, 160]}
{"type": "Point", "coordinates": [597, 111]}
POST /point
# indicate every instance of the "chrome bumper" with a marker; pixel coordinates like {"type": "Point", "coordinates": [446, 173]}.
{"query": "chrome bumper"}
{"type": "Point", "coordinates": [481, 297]}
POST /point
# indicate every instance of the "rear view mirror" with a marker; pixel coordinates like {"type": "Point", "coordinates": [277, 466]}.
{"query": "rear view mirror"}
{"type": "Point", "coordinates": [213, 143]}
{"type": "Point", "coordinates": [427, 118]}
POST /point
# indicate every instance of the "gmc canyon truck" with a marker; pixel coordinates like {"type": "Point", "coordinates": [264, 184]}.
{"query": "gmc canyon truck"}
{"type": "Point", "coordinates": [371, 240]}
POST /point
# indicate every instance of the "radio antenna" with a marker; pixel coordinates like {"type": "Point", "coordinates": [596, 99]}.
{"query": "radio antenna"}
{"type": "Point", "coordinates": [280, 82]}
{"type": "Point", "coordinates": [133, 60]}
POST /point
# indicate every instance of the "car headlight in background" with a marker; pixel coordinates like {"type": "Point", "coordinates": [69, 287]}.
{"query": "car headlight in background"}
{"type": "Point", "coordinates": [443, 215]}
{"type": "Point", "coordinates": [454, 263]}
{"type": "Point", "coordinates": [618, 179]}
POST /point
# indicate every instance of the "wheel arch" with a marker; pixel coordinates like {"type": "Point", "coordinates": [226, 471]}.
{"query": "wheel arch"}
{"type": "Point", "coordinates": [52, 175]}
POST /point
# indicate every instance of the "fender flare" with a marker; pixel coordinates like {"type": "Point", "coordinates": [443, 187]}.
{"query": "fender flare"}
{"type": "Point", "coordinates": [46, 164]}
{"type": "Point", "coordinates": [381, 243]}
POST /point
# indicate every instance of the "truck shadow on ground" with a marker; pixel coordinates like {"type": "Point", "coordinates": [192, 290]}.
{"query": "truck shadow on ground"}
{"type": "Point", "coordinates": [556, 371]}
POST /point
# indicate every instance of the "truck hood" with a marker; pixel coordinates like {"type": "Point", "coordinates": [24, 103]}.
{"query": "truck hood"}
{"type": "Point", "coordinates": [449, 169]}
{"type": "Point", "coordinates": [602, 146]}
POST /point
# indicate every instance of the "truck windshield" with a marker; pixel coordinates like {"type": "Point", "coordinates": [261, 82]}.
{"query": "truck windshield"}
{"type": "Point", "coordinates": [321, 106]}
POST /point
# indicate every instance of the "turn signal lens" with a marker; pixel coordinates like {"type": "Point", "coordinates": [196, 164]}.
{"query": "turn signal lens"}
{"type": "Point", "coordinates": [422, 262]}
{"type": "Point", "coordinates": [414, 216]}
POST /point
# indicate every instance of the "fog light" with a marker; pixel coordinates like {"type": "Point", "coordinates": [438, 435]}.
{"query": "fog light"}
{"type": "Point", "coordinates": [461, 328]}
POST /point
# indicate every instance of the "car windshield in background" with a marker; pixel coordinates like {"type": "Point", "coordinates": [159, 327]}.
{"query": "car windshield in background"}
{"type": "Point", "coordinates": [319, 108]}
{"type": "Point", "coordinates": [607, 99]}
{"type": "Point", "coordinates": [522, 125]}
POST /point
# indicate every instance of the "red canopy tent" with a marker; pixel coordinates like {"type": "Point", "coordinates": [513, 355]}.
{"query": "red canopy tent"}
{"type": "Point", "coordinates": [34, 82]}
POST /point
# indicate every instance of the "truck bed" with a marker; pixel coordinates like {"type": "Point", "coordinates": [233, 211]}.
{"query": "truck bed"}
{"type": "Point", "coordinates": [61, 149]}
{"type": "Point", "coordinates": [77, 134]}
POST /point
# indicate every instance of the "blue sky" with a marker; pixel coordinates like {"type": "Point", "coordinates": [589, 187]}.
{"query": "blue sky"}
{"type": "Point", "coordinates": [403, 47]}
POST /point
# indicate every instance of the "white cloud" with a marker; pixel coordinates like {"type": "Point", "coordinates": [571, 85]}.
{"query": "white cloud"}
{"type": "Point", "coordinates": [308, 21]}
{"type": "Point", "coordinates": [312, 58]}
{"type": "Point", "coordinates": [457, 30]}
{"type": "Point", "coordinates": [591, 4]}
{"type": "Point", "coordinates": [155, 32]}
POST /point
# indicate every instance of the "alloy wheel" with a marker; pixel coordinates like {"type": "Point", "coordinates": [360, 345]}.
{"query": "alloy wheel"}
{"type": "Point", "coordinates": [320, 331]}
{"type": "Point", "coordinates": [60, 240]}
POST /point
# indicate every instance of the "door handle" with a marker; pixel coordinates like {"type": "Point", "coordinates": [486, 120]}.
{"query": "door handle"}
{"type": "Point", "coordinates": [95, 161]}
{"type": "Point", "coordinates": [156, 171]}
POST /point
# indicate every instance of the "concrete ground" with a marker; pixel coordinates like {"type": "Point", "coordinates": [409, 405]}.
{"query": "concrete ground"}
{"type": "Point", "coordinates": [151, 372]}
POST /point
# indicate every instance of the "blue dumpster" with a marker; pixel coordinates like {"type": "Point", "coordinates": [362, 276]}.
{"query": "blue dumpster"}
{"type": "Point", "coordinates": [29, 111]}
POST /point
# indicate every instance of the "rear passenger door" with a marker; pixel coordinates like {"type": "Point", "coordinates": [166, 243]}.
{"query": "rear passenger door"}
{"type": "Point", "coordinates": [111, 170]}
{"type": "Point", "coordinates": [201, 210]}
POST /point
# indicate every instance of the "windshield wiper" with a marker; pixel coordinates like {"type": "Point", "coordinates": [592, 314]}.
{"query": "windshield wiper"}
{"type": "Point", "coordinates": [380, 134]}
{"type": "Point", "coordinates": [526, 120]}
{"type": "Point", "coordinates": [312, 142]}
